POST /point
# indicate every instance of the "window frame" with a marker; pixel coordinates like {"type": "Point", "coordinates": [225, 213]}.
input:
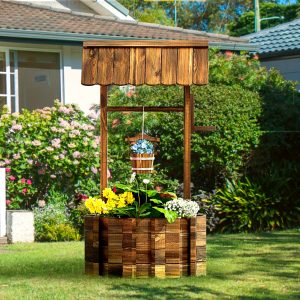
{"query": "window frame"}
{"type": "Point", "coordinates": [8, 72]}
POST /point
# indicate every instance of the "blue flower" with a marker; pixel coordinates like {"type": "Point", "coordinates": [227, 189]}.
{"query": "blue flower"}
{"type": "Point", "coordinates": [142, 146]}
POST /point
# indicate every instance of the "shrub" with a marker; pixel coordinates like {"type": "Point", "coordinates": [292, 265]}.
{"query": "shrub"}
{"type": "Point", "coordinates": [243, 206]}
{"type": "Point", "coordinates": [51, 224]}
{"type": "Point", "coordinates": [51, 147]}
{"type": "Point", "coordinates": [77, 213]}
{"type": "Point", "coordinates": [57, 233]}
{"type": "Point", "coordinates": [215, 156]}
{"type": "Point", "coordinates": [206, 207]}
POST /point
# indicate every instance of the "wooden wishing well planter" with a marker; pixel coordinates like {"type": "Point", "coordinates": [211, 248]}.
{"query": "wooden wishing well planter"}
{"type": "Point", "coordinates": [146, 247]}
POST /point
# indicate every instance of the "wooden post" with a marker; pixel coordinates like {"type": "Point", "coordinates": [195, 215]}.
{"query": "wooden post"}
{"type": "Point", "coordinates": [103, 137]}
{"type": "Point", "coordinates": [187, 144]}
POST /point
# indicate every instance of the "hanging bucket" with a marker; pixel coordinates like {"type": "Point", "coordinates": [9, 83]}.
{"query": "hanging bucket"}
{"type": "Point", "coordinates": [142, 163]}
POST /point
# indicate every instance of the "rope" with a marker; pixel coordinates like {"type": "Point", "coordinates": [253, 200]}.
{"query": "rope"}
{"type": "Point", "coordinates": [143, 122]}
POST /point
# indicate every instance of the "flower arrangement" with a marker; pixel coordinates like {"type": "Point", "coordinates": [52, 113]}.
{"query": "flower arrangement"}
{"type": "Point", "coordinates": [135, 200]}
{"type": "Point", "coordinates": [142, 146]}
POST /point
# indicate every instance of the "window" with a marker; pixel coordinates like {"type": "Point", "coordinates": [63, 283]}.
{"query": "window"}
{"type": "Point", "coordinates": [29, 79]}
{"type": "Point", "coordinates": [7, 80]}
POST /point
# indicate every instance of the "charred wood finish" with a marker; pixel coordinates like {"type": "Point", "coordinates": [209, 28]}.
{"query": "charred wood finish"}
{"type": "Point", "coordinates": [145, 62]}
{"type": "Point", "coordinates": [132, 247]}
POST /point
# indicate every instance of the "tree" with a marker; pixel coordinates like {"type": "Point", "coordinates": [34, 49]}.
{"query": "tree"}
{"type": "Point", "coordinates": [245, 24]}
{"type": "Point", "coordinates": [234, 17]}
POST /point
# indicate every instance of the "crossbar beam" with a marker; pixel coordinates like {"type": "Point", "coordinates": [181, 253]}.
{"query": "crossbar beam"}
{"type": "Point", "coordinates": [145, 108]}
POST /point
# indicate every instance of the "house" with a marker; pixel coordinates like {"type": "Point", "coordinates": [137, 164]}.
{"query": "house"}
{"type": "Point", "coordinates": [280, 48]}
{"type": "Point", "coordinates": [41, 44]}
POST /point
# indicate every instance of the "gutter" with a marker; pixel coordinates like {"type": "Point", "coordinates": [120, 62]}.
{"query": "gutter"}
{"type": "Point", "coordinates": [235, 46]}
{"type": "Point", "coordinates": [79, 38]}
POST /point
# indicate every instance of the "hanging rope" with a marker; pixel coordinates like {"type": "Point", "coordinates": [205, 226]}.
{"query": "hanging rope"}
{"type": "Point", "coordinates": [143, 122]}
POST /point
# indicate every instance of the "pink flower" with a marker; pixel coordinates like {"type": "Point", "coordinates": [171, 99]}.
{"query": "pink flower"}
{"type": "Point", "coordinates": [16, 156]}
{"type": "Point", "coordinates": [7, 170]}
{"type": "Point", "coordinates": [76, 132]}
{"type": "Point", "coordinates": [8, 202]}
{"type": "Point", "coordinates": [76, 154]}
{"type": "Point", "coordinates": [41, 171]}
{"type": "Point", "coordinates": [55, 143]}
{"type": "Point", "coordinates": [114, 189]}
{"type": "Point", "coordinates": [24, 191]}
{"type": "Point", "coordinates": [29, 181]}
{"type": "Point", "coordinates": [12, 178]}
{"type": "Point", "coordinates": [7, 161]}
{"type": "Point", "coordinates": [94, 170]}
{"type": "Point", "coordinates": [61, 156]}
{"type": "Point", "coordinates": [228, 54]}
{"type": "Point", "coordinates": [16, 127]}
{"type": "Point", "coordinates": [36, 143]}
{"type": "Point", "coordinates": [23, 180]}
{"type": "Point", "coordinates": [41, 203]}
{"type": "Point", "coordinates": [83, 197]}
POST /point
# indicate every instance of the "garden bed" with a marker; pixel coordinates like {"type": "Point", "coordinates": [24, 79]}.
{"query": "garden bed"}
{"type": "Point", "coordinates": [147, 247]}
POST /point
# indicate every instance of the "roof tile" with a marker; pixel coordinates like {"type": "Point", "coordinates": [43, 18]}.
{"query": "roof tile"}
{"type": "Point", "coordinates": [31, 17]}
{"type": "Point", "coordinates": [280, 38]}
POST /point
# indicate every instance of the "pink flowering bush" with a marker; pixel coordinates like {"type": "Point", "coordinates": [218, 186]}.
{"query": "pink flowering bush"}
{"type": "Point", "coordinates": [50, 147]}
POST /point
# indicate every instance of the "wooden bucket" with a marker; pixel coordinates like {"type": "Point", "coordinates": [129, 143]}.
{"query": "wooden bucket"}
{"type": "Point", "coordinates": [149, 247]}
{"type": "Point", "coordinates": [142, 163]}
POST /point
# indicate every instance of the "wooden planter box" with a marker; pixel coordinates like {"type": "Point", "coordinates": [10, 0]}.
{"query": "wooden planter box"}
{"type": "Point", "coordinates": [147, 247]}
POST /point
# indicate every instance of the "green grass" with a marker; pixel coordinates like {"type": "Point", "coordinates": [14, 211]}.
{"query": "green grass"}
{"type": "Point", "coordinates": [240, 266]}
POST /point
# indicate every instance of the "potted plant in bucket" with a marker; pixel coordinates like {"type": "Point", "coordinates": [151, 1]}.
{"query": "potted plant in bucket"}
{"type": "Point", "coordinates": [142, 156]}
{"type": "Point", "coordinates": [134, 231]}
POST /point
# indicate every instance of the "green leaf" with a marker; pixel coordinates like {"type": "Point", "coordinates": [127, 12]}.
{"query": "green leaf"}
{"type": "Point", "coordinates": [171, 216]}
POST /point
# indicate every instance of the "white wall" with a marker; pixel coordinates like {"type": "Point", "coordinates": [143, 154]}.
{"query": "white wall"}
{"type": "Point", "coordinates": [289, 67]}
{"type": "Point", "coordinates": [75, 92]}
{"type": "Point", "coordinates": [2, 203]}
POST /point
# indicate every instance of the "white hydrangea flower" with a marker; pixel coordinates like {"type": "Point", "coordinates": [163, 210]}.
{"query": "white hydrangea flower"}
{"type": "Point", "coordinates": [184, 208]}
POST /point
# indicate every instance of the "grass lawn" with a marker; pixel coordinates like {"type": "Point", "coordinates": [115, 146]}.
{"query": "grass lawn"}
{"type": "Point", "coordinates": [240, 266]}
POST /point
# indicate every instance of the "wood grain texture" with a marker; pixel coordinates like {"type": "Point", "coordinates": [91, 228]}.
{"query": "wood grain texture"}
{"type": "Point", "coordinates": [141, 163]}
{"type": "Point", "coordinates": [146, 43]}
{"type": "Point", "coordinates": [103, 137]}
{"type": "Point", "coordinates": [140, 66]}
{"type": "Point", "coordinates": [153, 66]}
{"type": "Point", "coordinates": [200, 73]}
{"type": "Point", "coordinates": [121, 64]}
{"type": "Point", "coordinates": [187, 144]}
{"type": "Point", "coordinates": [147, 247]}
{"type": "Point", "coordinates": [145, 108]}
{"type": "Point", "coordinates": [89, 66]}
{"type": "Point", "coordinates": [145, 62]}
{"type": "Point", "coordinates": [132, 66]}
{"type": "Point", "coordinates": [105, 66]}
{"type": "Point", "coordinates": [185, 66]}
{"type": "Point", "coordinates": [168, 66]}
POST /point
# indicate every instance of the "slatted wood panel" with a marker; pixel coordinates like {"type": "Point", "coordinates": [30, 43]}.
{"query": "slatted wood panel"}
{"type": "Point", "coordinates": [145, 247]}
{"type": "Point", "coordinates": [184, 64]}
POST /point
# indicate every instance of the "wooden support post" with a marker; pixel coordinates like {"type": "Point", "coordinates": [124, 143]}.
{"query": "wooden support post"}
{"type": "Point", "coordinates": [103, 137]}
{"type": "Point", "coordinates": [187, 144]}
